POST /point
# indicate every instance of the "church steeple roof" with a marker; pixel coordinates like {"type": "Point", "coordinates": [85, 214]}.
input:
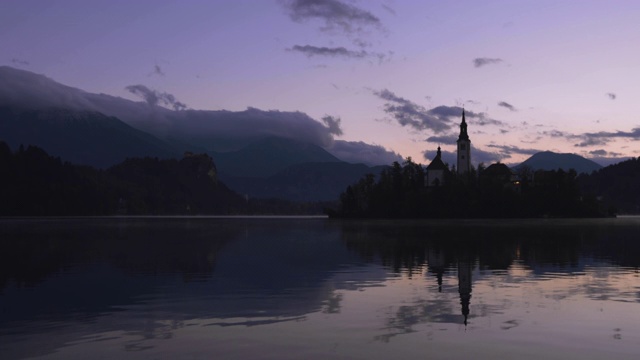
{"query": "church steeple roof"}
{"type": "Point", "coordinates": [436, 163]}
{"type": "Point", "coordinates": [463, 129]}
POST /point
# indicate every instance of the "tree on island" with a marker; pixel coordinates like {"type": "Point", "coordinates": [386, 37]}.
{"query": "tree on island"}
{"type": "Point", "coordinates": [400, 192]}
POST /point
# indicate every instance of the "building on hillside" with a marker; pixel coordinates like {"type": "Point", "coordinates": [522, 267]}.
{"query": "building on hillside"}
{"type": "Point", "coordinates": [500, 174]}
{"type": "Point", "coordinates": [464, 148]}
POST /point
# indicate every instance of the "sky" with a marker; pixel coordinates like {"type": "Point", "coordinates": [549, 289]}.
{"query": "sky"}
{"type": "Point", "coordinates": [531, 75]}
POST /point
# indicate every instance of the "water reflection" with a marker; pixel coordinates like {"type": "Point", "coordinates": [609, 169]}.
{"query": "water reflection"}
{"type": "Point", "coordinates": [131, 285]}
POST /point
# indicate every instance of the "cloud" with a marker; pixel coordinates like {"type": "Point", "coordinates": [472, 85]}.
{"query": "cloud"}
{"type": "Point", "coordinates": [604, 137]}
{"type": "Point", "coordinates": [335, 14]}
{"type": "Point", "coordinates": [155, 98]}
{"type": "Point", "coordinates": [590, 141]}
{"type": "Point", "coordinates": [478, 62]}
{"type": "Point", "coordinates": [508, 150]}
{"type": "Point", "coordinates": [486, 157]}
{"type": "Point", "coordinates": [198, 130]}
{"type": "Point", "coordinates": [389, 9]}
{"type": "Point", "coordinates": [599, 152]}
{"type": "Point", "coordinates": [507, 105]}
{"type": "Point", "coordinates": [612, 96]}
{"type": "Point", "coordinates": [408, 113]}
{"type": "Point", "coordinates": [555, 133]}
{"type": "Point", "coordinates": [310, 51]}
{"type": "Point", "coordinates": [333, 124]}
{"type": "Point", "coordinates": [443, 139]}
{"type": "Point", "coordinates": [157, 70]}
{"type": "Point", "coordinates": [20, 61]}
{"type": "Point", "coordinates": [360, 152]}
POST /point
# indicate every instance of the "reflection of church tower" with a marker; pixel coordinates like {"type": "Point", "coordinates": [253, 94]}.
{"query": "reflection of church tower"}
{"type": "Point", "coordinates": [464, 286]}
{"type": "Point", "coordinates": [436, 264]}
{"type": "Point", "coordinates": [464, 148]}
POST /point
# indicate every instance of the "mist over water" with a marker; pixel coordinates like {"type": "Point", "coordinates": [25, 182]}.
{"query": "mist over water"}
{"type": "Point", "coordinates": [318, 288]}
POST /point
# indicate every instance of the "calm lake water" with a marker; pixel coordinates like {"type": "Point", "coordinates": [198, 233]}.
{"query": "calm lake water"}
{"type": "Point", "coordinates": [313, 288]}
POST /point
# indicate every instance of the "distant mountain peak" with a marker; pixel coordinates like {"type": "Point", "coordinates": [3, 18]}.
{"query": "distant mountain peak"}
{"type": "Point", "coordinates": [549, 160]}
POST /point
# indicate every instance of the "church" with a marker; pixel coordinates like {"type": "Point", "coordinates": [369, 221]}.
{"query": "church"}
{"type": "Point", "coordinates": [437, 168]}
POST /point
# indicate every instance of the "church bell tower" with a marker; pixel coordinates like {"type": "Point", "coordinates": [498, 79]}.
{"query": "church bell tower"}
{"type": "Point", "coordinates": [464, 148]}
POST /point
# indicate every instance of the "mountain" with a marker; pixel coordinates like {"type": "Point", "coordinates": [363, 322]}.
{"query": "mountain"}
{"type": "Point", "coordinates": [322, 181]}
{"type": "Point", "coordinates": [548, 160]}
{"type": "Point", "coordinates": [186, 130]}
{"type": "Point", "coordinates": [36, 184]}
{"type": "Point", "coordinates": [266, 157]}
{"type": "Point", "coordinates": [260, 153]}
{"type": "Point", "coordinates": [79, 136]}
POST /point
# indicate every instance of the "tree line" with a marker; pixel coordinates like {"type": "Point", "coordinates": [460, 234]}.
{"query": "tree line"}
{"type": "Point", "coordinates": [400, 192]}
{"type": "Point", "coordinates": [33, 183]}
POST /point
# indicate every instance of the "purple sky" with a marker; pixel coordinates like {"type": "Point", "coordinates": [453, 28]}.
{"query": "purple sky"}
{"type": "Point", "coordinates": [533, 75]}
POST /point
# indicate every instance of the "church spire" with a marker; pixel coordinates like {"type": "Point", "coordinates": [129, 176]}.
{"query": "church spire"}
{"type": "Point", "coordinates": [464, 147]}
{"type": "Point", "coordinates": [463, 128]}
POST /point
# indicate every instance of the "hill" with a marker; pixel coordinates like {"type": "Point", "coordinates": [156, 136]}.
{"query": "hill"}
{"type": "Point", "coordinates": [78, 136]}
{"type": "Point", "coordinates": [36, 184]}
{"type": "Point", "coordinates": [185, 129]}
{"type": "Point", "coordinates": [266, 157]}
{"type": "Point", "coordinates": [548, 160]}
{"type": "Point", "coordinates": [305, 182]}
{"type": "Point", "coordinates": [618, 186]}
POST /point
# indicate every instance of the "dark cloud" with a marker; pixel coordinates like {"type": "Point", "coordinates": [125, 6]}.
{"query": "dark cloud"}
{"type": "Point", "coordinates": [599, 152]}
{"type": "Point", "coordinates": [604, 137]}
{"type": "Point", "coordinates": [478, 62]}
{"type": "Point", "coordinates": [507, 105]}
{"type": "Point", "coordinates": [408, 113]}
{"type": "Point", "coordinates": [486, 157]}
{"type": "Point", "coordinates": [155, 98]}
{"type": "Point", "coordinates": [157, 70]}
{"type": "Point", "coordinates": [590, 141]}
{"type": "Point", "coordinates": [20, 62]}
{"type": "Point", "coordinates": [205, 130]}
{"type": "Point", "coordinates": [335, 14]}
{"type": "Point", "coordinates": [360, 152]}
{"type": "Point", "coordinates": [333, 124]}
{"type": "Point", "coordinates": [443, 139]}
{"type": "Point", "coordinates": [555, 133]}
{"type": "Point", "coordinates": [438, 119]}
{"type": "Point", "coordinates": [481, 119]}
{"type": "Point", "coordinates": [310, 51]}
{"type": "Point", "coordinates": [509, 150]}
{"type": "Point", "coordinates": [389, 9]}
{"type": "Point", "coordinates": [612, 96]}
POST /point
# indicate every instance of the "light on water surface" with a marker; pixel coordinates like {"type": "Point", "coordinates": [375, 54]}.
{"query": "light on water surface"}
{"type": "Point", "coordinates": [317, 288]}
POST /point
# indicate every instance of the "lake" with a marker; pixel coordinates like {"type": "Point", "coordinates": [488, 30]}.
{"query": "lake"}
{"type": "Point", "coordinates": [315, 288]}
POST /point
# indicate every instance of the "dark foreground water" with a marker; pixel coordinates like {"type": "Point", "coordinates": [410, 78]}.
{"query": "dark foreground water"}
{"type": "Point", "coordinates": [296, 288]}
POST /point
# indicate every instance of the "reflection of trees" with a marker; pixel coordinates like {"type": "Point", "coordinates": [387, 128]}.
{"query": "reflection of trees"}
{"type": "Point", "coordinates": [412, 247]}
{"type": "Point", "coordinates": [144, 246]}
{"type": "Point", "coordinates": [408, 246]}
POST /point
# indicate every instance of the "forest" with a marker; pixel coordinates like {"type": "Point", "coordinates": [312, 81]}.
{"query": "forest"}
{"type": "Point", "coordinates": [36, 184]}
{"type": "Point", "coordinates": [400, 192]}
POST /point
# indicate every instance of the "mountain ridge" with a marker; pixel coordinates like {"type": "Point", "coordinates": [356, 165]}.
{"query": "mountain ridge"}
{"type": "Point", "coordinates": [549, 160]}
